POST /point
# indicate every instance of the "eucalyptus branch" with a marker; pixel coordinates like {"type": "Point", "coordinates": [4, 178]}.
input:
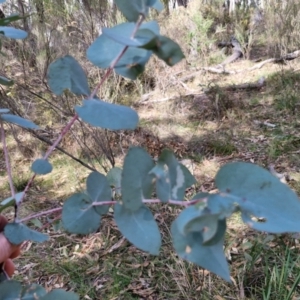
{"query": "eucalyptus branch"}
{"type": "Point", "coordinates": [112, 202]}
{"type": "Point", "coordinates": [75, 117]}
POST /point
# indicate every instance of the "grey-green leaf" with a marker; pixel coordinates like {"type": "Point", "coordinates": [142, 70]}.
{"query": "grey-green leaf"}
{"type": "Point", "coordinates": [18, 121]}
{"type": "Point", "coordinates": [139, 227]}
{"type": "Point", "coordinates": [10, 290]}
{"type": "Point", "coordinates": [133, 62]}
{"type": "Point", "coordinates": [201, 219]}
{"type": "Point", "coordinates": [17, 233]}
{"type": "Point", "coordinates": [218, 204]}
{"type": "Point", "coordinates": [167, 50]}
{"type": "Point", "coordinates": [41, 166]}
{"type": "Point", "coordinates": [133, 9]}
{"type": "Point", "coordinates": [114, 177]}
{"type": "Point", "coordinates": [191, 248]}
{"type": "Point", "coordinates": [189, 179]}
{"type": "Point", "coordinates": [156, 4]}
{"type": "Point", "coordinates": [5, 81]}
{"type": "Point", "coordinates": [13, 33]}
{"type": "Point", "coordinates": [33, 292]}
{"type": "Point", "coordinates": [163, 186]}
{"type": "Point", "coordinates": [99, 190]}
{"type": "Point", "coordinates": [107, 115]}
{"type": "Point", "coordinates": [260, 194]}
{"type": "Point", "coordinates": [11, 201]}
{"type": "Point", "coordinates": [219, 234]}
{"type": "Point", "coordinates": [137, 165]}
{"type": "Point", "coordinates": [79, 215]}
{"type": "Point", "coordinates": [104, 51]}
{"type": "Point", "coordinates": [180, 177]}
{"type": "Point", "coordinates": [122, 33]}
{"type": "Point", "coordinates": [4, 110]}
{"type": "Point", "coordinates": [67, 73]}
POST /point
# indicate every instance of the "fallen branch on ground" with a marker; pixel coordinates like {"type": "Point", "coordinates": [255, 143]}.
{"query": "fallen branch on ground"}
{"type": "Point", "coordinates": [220, 69]}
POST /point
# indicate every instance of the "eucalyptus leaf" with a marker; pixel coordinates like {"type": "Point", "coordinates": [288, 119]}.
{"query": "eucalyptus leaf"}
{"type": "Point", "coordinates": [218, 204]}
{"type": "Point", "coordinates": [180, 177]}
{"type": "Point", "coordinates": [156, 4]}
{"type": "Point", "coordinates": [18, 121]}
{"type": "Point", "coordinates": [167, 50]}
{"type": "Point", "coordinates": [41, 166]}
{"type": "Point", "coordinates": [189, 179]}
{"type": "Point", "coordinates": [137, 165]}
{"type": "Point", "coordinates": [17, 233]}
{"type": "Point", "coordinates": [99, 190]}
{"type": "Point", "coordinates": [191, 248]}
{"type": "Point", "coordinates": [260, 194]}
{"type": "Point", "coordinates": [133, 61]}
{"type": "Point", "coordinates": [36, 222]}
{"type": "Point", "coordinates": [33, 292]}
{"type": "Point", "coordinates": [79, 215]}
{"type": "Point", "coordinates": [114, 176]}
{"type": "Point", "coordinates": [13, 33]}
{"type": "Point", "coordinates": [5, 81]}
{"type": "Point", "coordinates": [10, 290]}
{"type": "Point", "coordinates": [163, 186]}
{"type": "Point", "coordinates": [122, 33]}
{"type": "Point", "coordinates": [7, 203]}
{"type": "Point", "coordinates": [201, 220]}
{"type": "Point", "coordinates": [67, 73]}
{"type": "Point", "coordinates": [133, 9]}
{"type": "Point", "coordinates": [139, 227]}
{"type": "Point", "coordinates": [107, 115]}
{"type": "Point", "coordinates": [209, 240]}
{"type": "Point", "coordinates": [11, 201]}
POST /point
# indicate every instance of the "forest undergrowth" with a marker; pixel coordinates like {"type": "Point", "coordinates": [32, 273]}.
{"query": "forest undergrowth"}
{"type": "Point", "coordinates": [206, 124]}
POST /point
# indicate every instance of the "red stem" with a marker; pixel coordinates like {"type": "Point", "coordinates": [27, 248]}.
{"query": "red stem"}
{"type": "Point", "coordinates": [110, 202]}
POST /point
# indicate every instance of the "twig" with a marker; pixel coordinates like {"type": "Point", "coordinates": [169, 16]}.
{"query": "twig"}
{"type": "Point", "coordinates": [61, 150]}
{"type": "Point", "coordinates": [42, 213]}
{"type": "Point", "coordinates": [50, 150]}
{"type": "Point", "coordinates": [60, 137]}
{"type": "Point", "coordinates": [289, 56]}
{"type": "Point", "coordinates": [252, 85]}
{"type": "Point", "coordinates": [264, 123]}
{"type": "Point", "coordinates": [160, 100]}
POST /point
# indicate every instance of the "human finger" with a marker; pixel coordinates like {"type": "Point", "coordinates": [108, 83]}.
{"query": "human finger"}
{"type": "Point", "coordinates": [3, 222]}
{"type": "Point", "coordinates": [9, 267]}
{"type": "Point", "coordinates": [16, 253]}
{"type": "Point", "coordinates": [6, 248]}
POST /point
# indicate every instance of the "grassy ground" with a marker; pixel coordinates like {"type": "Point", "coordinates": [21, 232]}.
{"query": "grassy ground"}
{"type": "Point", "coordinates": [255, 125]}
{"type": "Point", "coordinates": [105, 266]}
